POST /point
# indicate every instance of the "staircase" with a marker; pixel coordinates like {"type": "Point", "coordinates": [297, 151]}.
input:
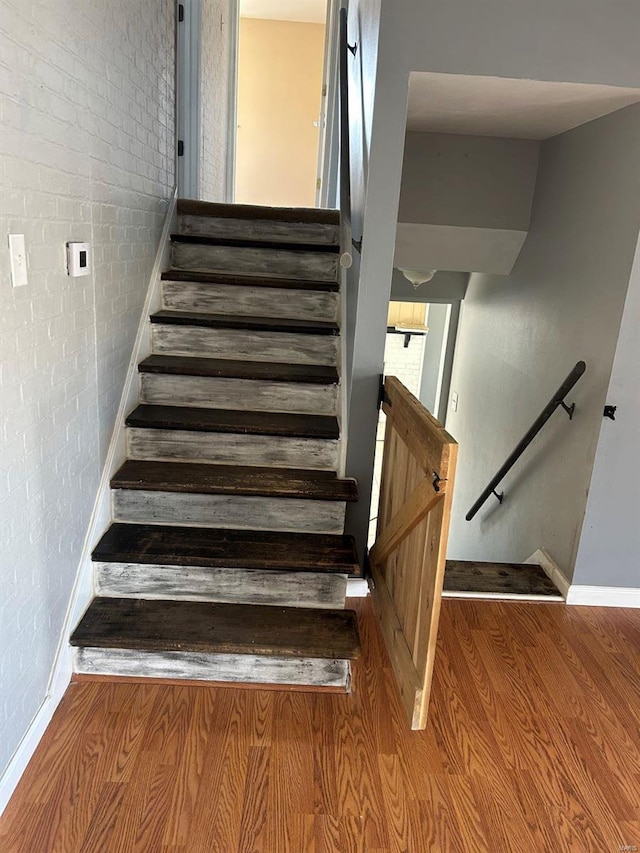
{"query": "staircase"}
{"type": "Point", "coordinates": [226, 559]}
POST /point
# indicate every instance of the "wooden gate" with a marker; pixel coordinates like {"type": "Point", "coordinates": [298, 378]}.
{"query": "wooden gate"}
{"type": "Point", "coordinates": [408, 557]}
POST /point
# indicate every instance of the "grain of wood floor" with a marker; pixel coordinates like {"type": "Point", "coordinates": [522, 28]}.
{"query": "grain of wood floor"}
{"type": "Point", "coordinates": [533, 745]}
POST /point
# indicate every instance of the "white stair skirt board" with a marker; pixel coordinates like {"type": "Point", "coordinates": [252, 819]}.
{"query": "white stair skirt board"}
{"type": "Point", "coordinates": [604, 596]}
{"type": "Point", "coordinates": [237, 512]}
{"type": "Point", "coordinates": [244, 345]}
{"type": "Point", "coordinates": [552, 570]}
{"type": "Point", "coordinates": [238, 394]}
{"type": "Point", "coordinates": [502, 596]}
{"type": "Point", "coordinates": [315, 266]}
{"type": "Point", "coordinates": [251, 669]}
{"type": "Point", "coordinates": [244, 300]}
{"type": "Point", "coordinates": [259, 229]}
{"type": "Point", "coordinates": [232, 448]}
{"type": "Point", "coordinates": [231, 586]}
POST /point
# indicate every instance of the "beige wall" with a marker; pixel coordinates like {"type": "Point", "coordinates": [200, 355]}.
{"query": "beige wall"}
{"type": "Point", "coordinates": [279, 90]}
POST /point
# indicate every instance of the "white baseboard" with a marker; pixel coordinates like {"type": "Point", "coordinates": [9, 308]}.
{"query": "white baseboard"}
{"type": "Point", "coordinates": [604, 596]}
{"type": "Point", "coordinates": [357, 588]}
{"type": "Point", "coordinates": [82, 592]}
{"type": "Point", "coordinates": [552, 571]}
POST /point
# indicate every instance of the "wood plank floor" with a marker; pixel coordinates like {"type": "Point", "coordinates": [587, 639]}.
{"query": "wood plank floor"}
{"type": "Point", "coordinates": [533, 745]}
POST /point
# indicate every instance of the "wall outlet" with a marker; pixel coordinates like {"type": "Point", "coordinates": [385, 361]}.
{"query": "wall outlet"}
{"type": "Point", "coordinates": [454, 401]}
{"type": "Point", "coordinates": [18, 257]}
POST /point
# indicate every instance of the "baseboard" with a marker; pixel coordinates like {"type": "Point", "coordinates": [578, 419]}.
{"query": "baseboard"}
{"type": "Point", "coordinates": [357, 588]}
{"type": "Point", "coordinates": [604, 596]}
{"type": "Point", "coordinates": [552, 571]}
{"type": "Point", "coordinates": [82, 592]}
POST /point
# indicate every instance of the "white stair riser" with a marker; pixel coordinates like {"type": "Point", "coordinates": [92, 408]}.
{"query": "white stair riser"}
{"type": "Point", "coordinates": [259, 229]}
{"type": "Point", "coordinates": [252, 669]}
{"type": "Point", "coordinates": [316, 266]}
{"type": "Point", "coordinates": [238, 512]}
{"type": "Point", "coordinates": [241, 344]}
{"type": "Point", "coordinates": [241, 300]}
{"type": "Point", "coordinates": [228, 585]}
{"type": "Point", "coordinates": [232, 448]}
{"type": "Point", "coordinates": [238, 394]}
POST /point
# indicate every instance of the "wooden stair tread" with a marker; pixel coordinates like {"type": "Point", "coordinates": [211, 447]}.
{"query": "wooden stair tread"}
{"type": "Point", "coordinates": [254, 324]}
{"type": "Point", "coordinates": [280, 243]}
{"type": "Point", "coordinates": [220, 548]}
{"type": "Point", "coordinates": [225, 368]}
{"type": "Point", "coordinates": [204, 478]}
{"type": "Point", "coordinates": [234, 421]}
{"type": "Point", "coordinates": [193, 626]}
{"type": "Point", "coordinates": [313, 215]}
{"type": "Point", "coordinates": [248, 280]}
{"type": "Point", "coordinates": [497, 578]}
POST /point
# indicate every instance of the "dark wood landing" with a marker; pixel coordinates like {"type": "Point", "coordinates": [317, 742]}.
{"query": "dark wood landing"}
{"type": "Point", "coordinates": [505, 578]}
{"type": "Point", "coordinates": [256, 243]}
{"type": "Point", "coordinates": [321, 216]}
{"type": "Point", "coordinates": [231, 421]}
{"type": "Point", "coordinates": [224, 368]}
{"type": "Point", "coordinates": [249, 549]}
{"type": "Point", "coordinates": [194, 626]}
{"type": "Point", "coordinates": [202, 478]}
{"type": "Point", "coordinates": [253, 324]}
{"type": "Point", "coordinates": [249, 280]}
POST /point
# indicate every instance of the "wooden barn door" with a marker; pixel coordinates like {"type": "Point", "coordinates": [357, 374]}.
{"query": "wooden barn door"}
{"type": "Point", "coordinates": [408, 557]}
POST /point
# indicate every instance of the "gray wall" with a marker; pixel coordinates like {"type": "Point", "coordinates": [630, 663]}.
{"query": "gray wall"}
{"type": "Point", "coordinates": [476, 181]}
{"type": "Point", "coordinates": [577, 41]}
{"type": "Point", "coordinates": [609, 552]}
{"type": "Point", "coordinates": [520, 335]}
{"type": "Point", "coordinates": [87, 105]}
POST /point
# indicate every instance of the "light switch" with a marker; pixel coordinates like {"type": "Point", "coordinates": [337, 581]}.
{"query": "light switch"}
{"type": "Point", "coordinates": [18, 256]}
{"type": "Point", "coordinates": [454, 401]}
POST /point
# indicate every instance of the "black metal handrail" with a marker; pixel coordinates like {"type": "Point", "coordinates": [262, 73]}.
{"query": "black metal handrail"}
{"type": "Point", "coordinates": [346, 240]}
{"type": "Point", "coordinates": [556, 401]}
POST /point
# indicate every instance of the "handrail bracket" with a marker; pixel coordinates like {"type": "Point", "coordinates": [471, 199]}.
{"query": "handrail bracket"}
{"type": "Point", "coordinates": [498, 495]}
{"type": "Point", "coordinates": [568, 409]}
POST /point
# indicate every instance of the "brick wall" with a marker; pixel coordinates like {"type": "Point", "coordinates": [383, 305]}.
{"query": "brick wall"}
{"type": "Point", "coordinates": [86, 153]}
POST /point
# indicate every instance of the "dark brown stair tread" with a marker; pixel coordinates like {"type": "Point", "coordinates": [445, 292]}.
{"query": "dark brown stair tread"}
{"type": "Point", "coordinates": [504, 578]}
{"type": "Point", "coordinates": [281, 244]}
{"type": "Point", "coordinates": [321, 216]}
{"type": "Point", "coordinates": [232, 421]}
{"type": "Point", "coordinates": [202, 478]}
{"type": "Point", "coordinates": [195, 626]}
{"type": "Point", "coordinates": [218, 548]}
{"type": "Point", "coordinates": [180, 365]}
{"type": "Point", "coordinates": [254, 324]}
{"type": "Point", "coordinates": [248, 280]}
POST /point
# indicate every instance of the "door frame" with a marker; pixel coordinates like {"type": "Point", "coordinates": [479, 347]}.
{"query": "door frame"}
{"type": "Point", "coordinates": [188, 123]}
{"type": "Point", "coordinates": [329, 143]}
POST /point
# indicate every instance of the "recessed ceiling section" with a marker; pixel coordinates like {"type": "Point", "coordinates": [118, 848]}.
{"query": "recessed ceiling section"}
{"type": "Point", "coordinates": [302, 11]}
{"type": "Point", "coordinates": [499, 106]}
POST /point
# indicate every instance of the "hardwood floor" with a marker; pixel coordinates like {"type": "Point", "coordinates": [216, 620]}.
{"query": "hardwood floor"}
{"type": "Point", "coordinates": [533, 745]}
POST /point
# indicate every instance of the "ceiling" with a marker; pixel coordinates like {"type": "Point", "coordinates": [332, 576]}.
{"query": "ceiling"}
{"type": "Point", "coordinates": [305, 11]}
{"type": "Point", "coordinates": [498, 106]}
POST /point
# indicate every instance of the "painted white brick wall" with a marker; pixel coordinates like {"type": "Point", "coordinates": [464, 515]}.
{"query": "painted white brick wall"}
{"type": "Point", "coordinates": [86, 153]}
{"type": "Point", "coordinates": [215, 71]}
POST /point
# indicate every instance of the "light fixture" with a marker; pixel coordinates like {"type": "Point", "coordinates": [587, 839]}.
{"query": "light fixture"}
{"type": "Point", "coordinates": [418, 277]}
